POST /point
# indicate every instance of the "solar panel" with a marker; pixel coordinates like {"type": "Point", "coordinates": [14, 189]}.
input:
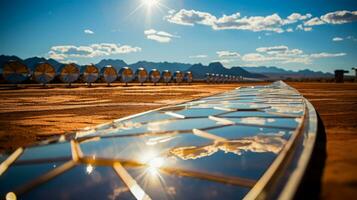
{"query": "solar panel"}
{"type": "Point", "coordinates": [226, 146]}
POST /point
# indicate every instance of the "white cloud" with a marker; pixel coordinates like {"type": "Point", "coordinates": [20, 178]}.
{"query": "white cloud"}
{"type": "Point", "coordinates": [283, 54]}
{"type": "Point", "coordinates": [88, 31]}
{"type": "Point", "coordinates": [159, 36]}
{"type": "Point", "coordinates": [340, 17]}
{"type": "Point", "coordinates": [55, 55]}
{"type": "Point", "coordinates": [255, 57]}
{"type": "Point", "coordinates": [303, 28]}
{"type": "Point", "coordinates": [307, 29]}
{"type": "Point", "coordinates": [256, 23]}
{"type": "Point", "coordinates": [350, 37]}
{"type": "Point", "coordinates": [224, 61]}
{"type": "Point", "coordinates": [295, 17]}
{"type": "Point", "coordinates": [337, 39]}
{"type": "Point", "coordinates": [198, 56]}
{"type": "Point", "coordinates": [314, 21]}
{"type": "Point", "coordinates": [272, 23]}
{"type": "Point", "coordinates": [235, 21]}
{"type": "Point", "coordinates": [281, 48]}
{"type": "Point", "coordinates": [227, 54]}
{"type": "Point", "coordinates": [69, 61]}
{"type": "Point", "coordinates": [326, 55]}
{"type": "Point", "coordinates": [149, 32]}
{"type": "Point", "coordinates": [336, 17]}
{"type": "Point", "coordinates": [93, 50]}
{"type": "Point", "coordinates": [190, 17]}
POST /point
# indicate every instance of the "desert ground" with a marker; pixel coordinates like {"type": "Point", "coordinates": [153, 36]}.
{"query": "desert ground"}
{"type": "Point", "coordinates": [32, 114]}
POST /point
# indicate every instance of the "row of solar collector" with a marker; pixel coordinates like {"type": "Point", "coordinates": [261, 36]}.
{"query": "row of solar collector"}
{"type": "Point", "coordinates": [16, 72]}
{"type": "Point", "coordinates": [221, 78]}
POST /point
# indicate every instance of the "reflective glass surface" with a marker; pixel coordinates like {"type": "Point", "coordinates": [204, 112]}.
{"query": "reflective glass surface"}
{"type": "Point", "coordinates": [216, 147]}
{"type": "Point", "coordinates": [82, 182]}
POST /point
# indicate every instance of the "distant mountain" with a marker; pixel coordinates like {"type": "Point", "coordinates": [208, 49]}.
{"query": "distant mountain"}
{"type": "Point", "coordinates": [4, 59]}
{"type": "Point", "coordinates": [116, 63]}
{"type": "Point", "coordinates": [279, 73]}
{"type": "Point", "coordinates": [32, 62]}
{"type": "Point", "coordinates": [245, 73]}
{"type": "Point", "coordinates": [267, 70]}
{"type": "Point", "coordinates": [200, 71]}
{"type": "Point", "coordinates": [174, 66]}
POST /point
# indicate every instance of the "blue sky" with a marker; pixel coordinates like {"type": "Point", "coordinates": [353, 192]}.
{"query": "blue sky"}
{"type": "Point", "coordinates": [318, 35]}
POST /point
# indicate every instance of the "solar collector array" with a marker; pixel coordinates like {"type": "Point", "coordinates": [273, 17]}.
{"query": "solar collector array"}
{"type": "Point", "coordinates": [15, 72]}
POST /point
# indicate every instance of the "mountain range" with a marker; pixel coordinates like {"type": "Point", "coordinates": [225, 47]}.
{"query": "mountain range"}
{"type": "Point", "coordinates": [279, 73]}
{"type": "Point", "coordinates": [198, 70]}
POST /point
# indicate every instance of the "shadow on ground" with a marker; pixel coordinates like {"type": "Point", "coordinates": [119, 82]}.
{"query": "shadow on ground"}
{"type": "Point", "coordinates": [310, 187]}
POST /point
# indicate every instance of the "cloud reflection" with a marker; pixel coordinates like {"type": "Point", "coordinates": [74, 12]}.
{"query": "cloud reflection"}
{"type": "Point", "coordinates": [257, 144]}
{"type": "Point", "coordinates": [160, 139]}
{"type": "Point", "coordinates": [127, 125]}
{"type": "Point", "coordinates": [257, 120]}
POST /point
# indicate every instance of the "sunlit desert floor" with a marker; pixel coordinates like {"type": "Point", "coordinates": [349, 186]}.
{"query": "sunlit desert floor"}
{"type": "Point", "coordinates": [33, 114]}
{"type": "Point", "coordinates": [337, 106]}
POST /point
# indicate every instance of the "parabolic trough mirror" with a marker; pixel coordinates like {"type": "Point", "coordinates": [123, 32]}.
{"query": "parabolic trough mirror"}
{"type": "Point", "coordinates": [142, 75]}
{"type": "Point", "coordinates": [166, 76]}
{"type": "Point", "coordinates": [69, 73]}
{"type": "Point", "coordinates": [15, 72]}
{"type": "Point", "coordinates": [188, 77]}
{"type": "Point", "coordinates": [155, 76]}
{"type": "Point", "coordinates": [44, 73]}
{"type": "Point", "coordinates": [109, 74]}
{"type": "Point", "coordinates": [241, 144]}
{"type": "Point", "coordinates": [126, 74]}
{"type": "Point", "coordinates": [178, 77]}
{"type": "Point", "coordinates": [90, 74]}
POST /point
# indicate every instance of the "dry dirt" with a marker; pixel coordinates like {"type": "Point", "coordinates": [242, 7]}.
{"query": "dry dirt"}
{"type": "Point", "coordinates": [32, 114]}
{"type": "Point", "coordinates": [337, 106]}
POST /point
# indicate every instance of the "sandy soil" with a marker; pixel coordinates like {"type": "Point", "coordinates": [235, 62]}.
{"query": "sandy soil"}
{"type": "Point", "coordinates": [337, 106]}
{"type": "Point", "coordinates": [32, 114]}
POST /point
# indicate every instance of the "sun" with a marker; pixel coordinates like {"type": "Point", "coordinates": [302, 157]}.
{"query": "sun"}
{"type": "Point", "coordinates": [151, 3]}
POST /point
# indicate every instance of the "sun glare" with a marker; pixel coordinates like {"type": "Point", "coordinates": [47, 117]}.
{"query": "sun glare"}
{"type": "Point", "coordinates": [89, 169]}
{"type": "Point", "coordinates": [155, 164]}
{"type": "Point", "coordinates": [150, 3]}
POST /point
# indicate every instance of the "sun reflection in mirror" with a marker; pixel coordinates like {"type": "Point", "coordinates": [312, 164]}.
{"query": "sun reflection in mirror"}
{"type": "Point", "coordinates": [155, 164]}
{"type": "Point", "coordinates": [89, 169]}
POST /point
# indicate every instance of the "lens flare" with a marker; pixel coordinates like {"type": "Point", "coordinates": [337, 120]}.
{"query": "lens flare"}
{"type": "Point", "coordinates": [89, 169]}
{"type": "Point", "coordinates": [156, 162]}
{"type": "Point", "coordinates": [150, 3]}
